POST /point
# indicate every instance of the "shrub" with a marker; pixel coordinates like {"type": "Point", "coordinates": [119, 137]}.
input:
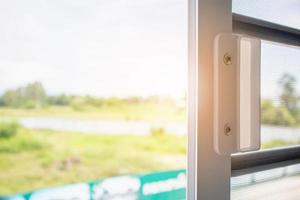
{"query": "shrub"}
{"type": "Point", "coordinates": [284, 117]}
{"type": "Point", "coordinates": [61, 100]}
{"type": "Point", "coordinates": [23, 141]}
{"type": "Point", "coordinates": [78, 104]}
{"type": "Point", "coordinates": [157, 132]}
{"type": "Point", "coordinates": [8, 129]}
{"type": "Point", "coordinates": [29, 105]}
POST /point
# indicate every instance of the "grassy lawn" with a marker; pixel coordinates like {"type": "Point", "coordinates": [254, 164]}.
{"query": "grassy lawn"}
{"type": "Point", "coordinates": [34, 159]}
{"type": "Point", "coordinates": [278, 143]}
{"type": "Point", "coordinates": [137, 112]}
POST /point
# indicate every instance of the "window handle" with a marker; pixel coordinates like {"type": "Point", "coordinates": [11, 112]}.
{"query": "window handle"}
{"type": "Point", "coordinates": [236, 93]}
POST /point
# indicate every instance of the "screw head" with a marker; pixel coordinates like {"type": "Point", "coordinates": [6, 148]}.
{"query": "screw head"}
{"type": "Point", "coordinates": [227, 59]}
{"type": "Point", "coordinates": [227, 129]}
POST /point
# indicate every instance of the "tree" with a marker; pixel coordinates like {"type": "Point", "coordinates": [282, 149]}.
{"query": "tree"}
{"type": "Point", "coordinates": [275, 115]}
{"type": "Point", "coordinates": [288, 97]}
{"type": "Point", "coordinates": [11, 98]}
{"type": "Point", "coordinates": [30, 96]}
{"type": "Point", "coordinates": [35, 92]}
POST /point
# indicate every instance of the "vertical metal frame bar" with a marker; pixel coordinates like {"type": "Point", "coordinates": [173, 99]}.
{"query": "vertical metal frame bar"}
{"type": "Point", "coordinates": [208, 173]}
{"type": "Point", "coordinates": [192, 102]}
{"type": "Point", "coordinates": [192, 99]}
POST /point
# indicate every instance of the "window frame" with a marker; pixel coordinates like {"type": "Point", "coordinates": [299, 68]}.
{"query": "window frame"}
{"type": "Point", "coordinates": [276, 157]}
{"type": "Point", "coordinates": [209, 174]}
{"type": "Point", "coordinates": [265, 30]}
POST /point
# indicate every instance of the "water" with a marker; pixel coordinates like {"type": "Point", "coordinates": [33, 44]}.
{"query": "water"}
{"type": "Point", "coordinates": [268, 133]}
{"type": "Point", "coordinates": [100, 126]}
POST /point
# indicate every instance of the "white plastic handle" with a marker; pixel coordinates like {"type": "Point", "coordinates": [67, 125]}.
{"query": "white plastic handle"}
{"type": "Point", "coordinates": [236, 94]}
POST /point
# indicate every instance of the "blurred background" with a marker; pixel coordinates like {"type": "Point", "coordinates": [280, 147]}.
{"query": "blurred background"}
{"type": "Point", "coordinates": [91, 90]}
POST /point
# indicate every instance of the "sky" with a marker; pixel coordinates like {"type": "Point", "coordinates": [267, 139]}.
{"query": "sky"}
{"type": "Point", "coordinates": [99, 47]}
{"type": "Point", "coordinates": [119, 47]}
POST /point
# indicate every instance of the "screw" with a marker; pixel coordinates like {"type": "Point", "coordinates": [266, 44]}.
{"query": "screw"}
{"type": "Point", "coordinates": [227, 59]}
{"type": "Point", "coordinates": [227, 129]}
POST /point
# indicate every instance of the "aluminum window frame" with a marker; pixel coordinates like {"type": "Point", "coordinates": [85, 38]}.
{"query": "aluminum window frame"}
{"type": "Point", "coordinates": [265, 30]}
{"type": "Point", "coordinates": [209, 174]}
{"type": "Point", "coordinates": [276, 157]}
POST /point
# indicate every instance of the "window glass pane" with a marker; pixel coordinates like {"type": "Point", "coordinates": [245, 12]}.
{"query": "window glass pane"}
{"type": "Point", "coordinates": [90, 91]}
{"type": "Point", "coordinates": [285, 12]}
{"type": "Point", "coordinates": [280, 95]}
{"type": "Point", "coordinates": [275, 184]}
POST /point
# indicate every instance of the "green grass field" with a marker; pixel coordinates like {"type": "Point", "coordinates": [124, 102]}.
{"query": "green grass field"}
{"type": "Point", "coordinates": [34, 159]}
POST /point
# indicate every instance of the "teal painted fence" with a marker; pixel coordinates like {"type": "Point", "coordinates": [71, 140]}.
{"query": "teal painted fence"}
{"type": "Point", "coordinates": [155, 186]}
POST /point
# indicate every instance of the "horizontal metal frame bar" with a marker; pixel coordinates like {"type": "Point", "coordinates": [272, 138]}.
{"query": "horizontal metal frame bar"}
{"type": "Point", "coordinates": [265, 30]}
{"type": "Point", "coordinates": [246, 163]}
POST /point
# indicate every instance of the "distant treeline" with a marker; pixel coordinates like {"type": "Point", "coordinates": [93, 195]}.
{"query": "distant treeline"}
{"type": "Point", "coordinates": [285, 112]}
{"type": "Point", "coordinates": [34, 95]}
